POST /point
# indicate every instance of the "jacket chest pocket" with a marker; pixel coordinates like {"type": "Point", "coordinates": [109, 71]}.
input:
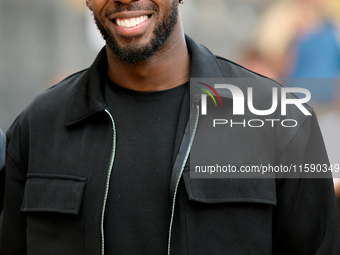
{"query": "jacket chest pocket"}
{"type": "Point", "coordinates": [229, 216]}
{"type": "Point", "coordinates": [52, 205]}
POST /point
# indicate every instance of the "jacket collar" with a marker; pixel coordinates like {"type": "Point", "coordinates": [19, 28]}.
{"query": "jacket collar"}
{"type": "Point", "coordinates": [203, 65]}
{"type": "Point", "coordinates": [89, 97]}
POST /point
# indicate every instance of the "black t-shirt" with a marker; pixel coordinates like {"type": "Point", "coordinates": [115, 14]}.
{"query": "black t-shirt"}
{"type": "Point", "coordinates": [137, 214]}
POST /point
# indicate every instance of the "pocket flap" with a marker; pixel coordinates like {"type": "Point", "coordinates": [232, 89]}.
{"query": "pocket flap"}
{"type": "Point", "coordinates": [53, 193]}
{"type": "Point", "coordinates": [230, 190]}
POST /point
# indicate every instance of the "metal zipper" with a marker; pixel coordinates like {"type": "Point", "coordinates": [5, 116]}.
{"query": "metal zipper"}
{"type": "Point", "coordinates": [108, 179]}
{"type": "Point", "coordinates": [179, 178]}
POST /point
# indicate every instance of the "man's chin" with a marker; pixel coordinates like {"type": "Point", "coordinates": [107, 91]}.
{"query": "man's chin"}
{"type": "Point", "coordinates": [125, 40]}
{"type": "Point", "coordinates": [133, 54]}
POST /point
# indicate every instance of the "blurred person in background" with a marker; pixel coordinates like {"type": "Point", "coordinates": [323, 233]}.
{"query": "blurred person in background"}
{"type": "Point", "coordinates": [298, 41]}
{"type": "Point", "coordinates": [98, 164]}
{"type": "Point", "coordinates": [301, 39]}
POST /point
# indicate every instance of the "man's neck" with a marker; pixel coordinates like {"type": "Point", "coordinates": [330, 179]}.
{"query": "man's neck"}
{"type": "Point", "coordinates": [168, 68]}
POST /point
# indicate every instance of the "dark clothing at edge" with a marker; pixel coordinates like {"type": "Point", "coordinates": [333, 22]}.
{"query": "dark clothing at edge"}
{"type": "Point", "coordinates": [61, 150]}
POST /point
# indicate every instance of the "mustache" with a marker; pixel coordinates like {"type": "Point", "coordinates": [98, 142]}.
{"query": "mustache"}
{"type": "Point", "coordinates": [131, 7]}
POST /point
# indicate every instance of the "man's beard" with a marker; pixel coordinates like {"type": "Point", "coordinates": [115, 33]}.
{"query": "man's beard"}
{"type": "Point", "coordinates": [134, 53]}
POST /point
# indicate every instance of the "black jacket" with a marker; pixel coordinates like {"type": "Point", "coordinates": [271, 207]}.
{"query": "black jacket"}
{"type": "Point", "coordinates": [60, 153]}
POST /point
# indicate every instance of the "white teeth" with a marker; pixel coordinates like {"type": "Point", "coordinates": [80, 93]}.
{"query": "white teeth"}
{"type": "Point", "coordinates": [127, 23]}
{"type": "Point", "coordinates": [131, 22]}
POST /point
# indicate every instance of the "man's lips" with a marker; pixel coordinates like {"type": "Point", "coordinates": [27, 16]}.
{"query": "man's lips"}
{"type": "Point", "coordinates": [129, 23]}
{"type": "Point", "coordinates": [129, 14]}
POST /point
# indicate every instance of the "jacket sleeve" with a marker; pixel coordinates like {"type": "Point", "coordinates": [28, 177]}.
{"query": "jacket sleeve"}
{"type": "Point", "coordinates": [13, 231]}
{"type": "Point", "coordinates": [305, 219]}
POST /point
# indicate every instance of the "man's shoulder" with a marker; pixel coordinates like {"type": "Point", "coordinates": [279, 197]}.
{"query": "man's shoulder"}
{"type": "Point", "coordinates": [244, 79]}
{"type": "Point", "coordinates": [54, 103]}
{"type": "Point", "coordinates": [60, 92]}
{"type": "Point", "coordinates": [234, 70]}
{"type": "Point", "coordinates": [262, 88]}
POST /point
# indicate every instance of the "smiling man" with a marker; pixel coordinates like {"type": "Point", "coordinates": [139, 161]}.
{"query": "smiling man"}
{"type": "Point", "coordinates": [136, 31]}
{"type": "Point", "coordinates": [99, 164]}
